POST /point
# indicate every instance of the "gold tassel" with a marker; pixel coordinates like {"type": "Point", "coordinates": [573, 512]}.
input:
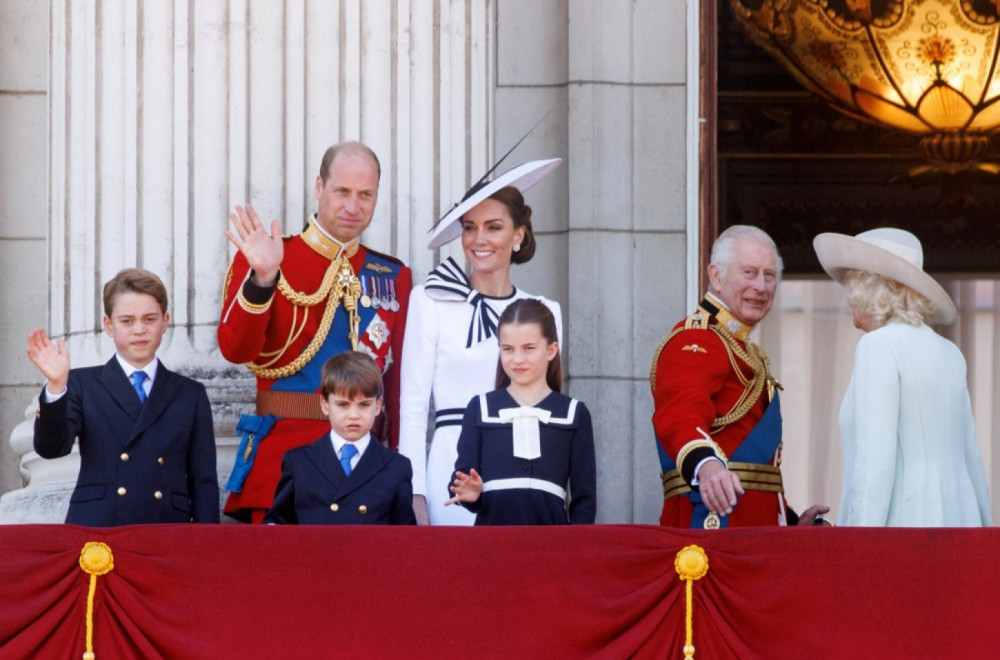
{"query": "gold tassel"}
{"type": "Point", "coordinates": [691, 564]}
{"type": "Point", "coordinates": [95, 559]}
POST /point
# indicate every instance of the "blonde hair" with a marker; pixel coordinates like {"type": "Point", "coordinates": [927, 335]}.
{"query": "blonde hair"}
{"type": "Point", "coordinates": [883, 300]}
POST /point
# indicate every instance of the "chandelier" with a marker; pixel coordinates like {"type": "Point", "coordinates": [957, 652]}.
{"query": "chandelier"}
{"type": "Point", "coordinates": [928, 67]}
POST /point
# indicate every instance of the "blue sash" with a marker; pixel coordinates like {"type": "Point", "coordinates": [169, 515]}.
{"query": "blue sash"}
{"type": "Point", "coordinates": [307, 379]}
{"type": "Point", "coordinates": [758, 447]}
{"type": "Point", "coordinates": [252, 429]}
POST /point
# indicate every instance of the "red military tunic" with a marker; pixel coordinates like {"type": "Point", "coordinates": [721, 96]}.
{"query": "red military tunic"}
{"type": "Point", "coordinates": [695, 381]}
{"type": "Point", "coordinates": [275, 337]}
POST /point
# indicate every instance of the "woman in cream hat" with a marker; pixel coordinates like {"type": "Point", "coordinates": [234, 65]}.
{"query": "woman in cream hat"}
{"type": "Point", "coordinates": [910, 452]}
{"type": "Point", "coordinates": [450, 345]}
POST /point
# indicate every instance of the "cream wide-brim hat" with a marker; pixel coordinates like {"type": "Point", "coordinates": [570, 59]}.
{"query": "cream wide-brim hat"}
{"type": "Point", "coordinates": [521, 177]}
{"type": "Point", "coordinates": [889, 252]}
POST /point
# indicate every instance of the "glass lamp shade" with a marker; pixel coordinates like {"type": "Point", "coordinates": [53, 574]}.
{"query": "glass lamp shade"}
{"type": "Point", "coordinates": [928, 67]}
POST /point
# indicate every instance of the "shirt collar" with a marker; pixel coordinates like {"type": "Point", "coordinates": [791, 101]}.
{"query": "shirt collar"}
{"type": "Point", "coordinates": [361, 444]}
{"type": "Point", "coordinates": [150, 368]}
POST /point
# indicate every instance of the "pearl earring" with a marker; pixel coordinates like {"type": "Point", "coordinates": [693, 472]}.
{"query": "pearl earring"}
{"type": "Point", "coordinates": [517, 247]}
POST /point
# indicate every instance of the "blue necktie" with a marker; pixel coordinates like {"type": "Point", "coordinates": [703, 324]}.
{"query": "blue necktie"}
{"type": "Point", "coordinates": [347, 452]}
{"type": "Point", "coordinates": [138, 377]}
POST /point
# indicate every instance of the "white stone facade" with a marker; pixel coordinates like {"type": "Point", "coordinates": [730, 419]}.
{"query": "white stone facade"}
{"type": "Point", "coordinates": [131, 129]}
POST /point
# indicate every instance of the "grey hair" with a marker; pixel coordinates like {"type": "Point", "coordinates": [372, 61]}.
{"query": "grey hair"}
{"type": "Point", "coordinates": [882, 299]}
{"type": "Point", "coordinates": [724, 247]}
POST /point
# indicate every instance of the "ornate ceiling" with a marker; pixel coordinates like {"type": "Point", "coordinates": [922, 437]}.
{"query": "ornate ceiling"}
{"type": "Point", "coordinates": [795, 167]}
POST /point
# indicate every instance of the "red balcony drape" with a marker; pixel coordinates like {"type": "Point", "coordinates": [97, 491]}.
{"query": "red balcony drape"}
{"type": "Point", "coordinates": [607, 591]}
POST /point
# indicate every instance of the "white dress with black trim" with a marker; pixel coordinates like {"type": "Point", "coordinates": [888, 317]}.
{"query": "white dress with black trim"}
{"type": "Point", "coordinates": [537, 463]}
{"type": "Point", "coordinates": [450, 355]}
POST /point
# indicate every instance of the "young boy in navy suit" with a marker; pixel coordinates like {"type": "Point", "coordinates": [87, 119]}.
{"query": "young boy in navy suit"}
{"type": "Point", "coordinates": [147, 447]}
{"type": "Point", "coordinates": [346, 478]}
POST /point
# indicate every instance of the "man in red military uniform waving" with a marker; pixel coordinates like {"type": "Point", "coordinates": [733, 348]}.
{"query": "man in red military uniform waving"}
{"type": "Point", "coordinates": [717, 417]}
{"type": "Point", "coordinates": [290, 303]}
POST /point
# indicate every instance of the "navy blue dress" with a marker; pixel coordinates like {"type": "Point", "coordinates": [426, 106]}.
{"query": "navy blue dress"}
{"type": "Point", "coordinates": [557, 488]}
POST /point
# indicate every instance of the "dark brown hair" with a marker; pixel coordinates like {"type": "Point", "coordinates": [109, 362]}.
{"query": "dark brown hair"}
{"type": "Point", "coordinates": [134, 280]}
{"type": "Point", "coordinates": [346, 147]}
{"type": "Point", "coordinates": [351, 374]}
{"type": "Point", "coordinates": [523, 312]}
{"type": "Point", "coordinates": [520, 213]}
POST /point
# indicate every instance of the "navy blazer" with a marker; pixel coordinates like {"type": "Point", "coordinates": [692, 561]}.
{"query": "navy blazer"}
{"type": "Point", "coordinates": [313, 489]}
{"type": "Point", "coordinates": [139, 463]}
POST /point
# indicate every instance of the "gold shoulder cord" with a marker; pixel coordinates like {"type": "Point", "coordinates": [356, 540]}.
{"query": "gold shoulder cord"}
{"type": "Point", "coordinates": [339, 283]}
{"type": "Point", "coordinates": [753, 356]}
{"type": "Point", "coordinates": [656, 358]}
{"type": "Point", "coordinates": [753, 387]}
{"type": "Point", "coordinates": [226, 281]}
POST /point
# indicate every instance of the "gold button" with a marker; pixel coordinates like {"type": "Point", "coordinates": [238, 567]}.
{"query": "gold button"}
{"type": "Point", "coordinates": [335, 507]}
{"type": "Point", "coordinates": [121, 490]}
{"type": "Point", "coordinates": [362, 509]}
{"type": "Point", "coordinates": [158, 495]}
{"type": "Point", "coordinates": [160, 460]}
{"type": "Point", "coordinates": [124, 457]}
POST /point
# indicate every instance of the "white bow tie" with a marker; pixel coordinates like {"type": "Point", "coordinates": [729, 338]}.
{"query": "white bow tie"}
{"type": "Point", "coordinates": [527, 443]}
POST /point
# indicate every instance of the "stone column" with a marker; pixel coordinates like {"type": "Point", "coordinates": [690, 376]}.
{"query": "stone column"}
{"type": "Point", "coordinates": [616, 75]}
{"type": "Point", "coordinates": [164, 115]}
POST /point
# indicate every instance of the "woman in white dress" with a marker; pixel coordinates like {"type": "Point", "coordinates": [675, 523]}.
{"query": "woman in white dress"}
{"type": "Point", "coordinates": [910, 453]}
{"type": "Point", "coordinates": [450, 348]}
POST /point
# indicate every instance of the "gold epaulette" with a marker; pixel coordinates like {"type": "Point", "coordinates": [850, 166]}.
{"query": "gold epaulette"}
{"type": "Point", "coordinates": [697, 321]}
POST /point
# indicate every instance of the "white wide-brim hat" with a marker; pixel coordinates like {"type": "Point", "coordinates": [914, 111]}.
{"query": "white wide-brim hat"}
{"type": "Point", "coordinates": [889, 252]}
{"type": "Point", "coordinates": [521, 177]}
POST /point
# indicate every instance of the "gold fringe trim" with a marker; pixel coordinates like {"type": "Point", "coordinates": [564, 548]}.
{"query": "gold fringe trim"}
{"type": "Point", "coordinates": [691, 563]}
{"type": "Point", "coordinates": [96, 559]}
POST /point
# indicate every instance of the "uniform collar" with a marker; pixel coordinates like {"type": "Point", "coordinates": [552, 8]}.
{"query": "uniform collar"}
{"type": "Point", "coordinates": [327, 245]}
{"type": "Point", "coordinates": [715, 307]}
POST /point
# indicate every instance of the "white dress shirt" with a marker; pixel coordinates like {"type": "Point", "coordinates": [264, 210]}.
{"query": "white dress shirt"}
{"type": "Point", "coordinates": [361, 444]}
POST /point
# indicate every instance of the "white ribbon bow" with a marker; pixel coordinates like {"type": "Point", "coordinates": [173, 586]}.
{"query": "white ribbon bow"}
{"type": "Point", "coordinates": [527, 443]}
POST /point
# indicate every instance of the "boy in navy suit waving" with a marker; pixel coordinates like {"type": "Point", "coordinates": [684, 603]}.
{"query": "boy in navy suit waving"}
{"type": "Point", "coordinates": [346, 478]}
{"type": "Point", "coordinates": [147, 447]}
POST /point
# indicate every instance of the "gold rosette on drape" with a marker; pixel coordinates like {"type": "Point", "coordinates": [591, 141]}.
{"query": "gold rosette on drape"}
{"type": "Point", "coordinates": [95, 559]}
{"type": "Point", "coordinates": [691, 564]}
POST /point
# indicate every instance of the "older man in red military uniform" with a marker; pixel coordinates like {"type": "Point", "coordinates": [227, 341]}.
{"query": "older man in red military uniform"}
{"type": "Point", "coordinates": [717, 417]}
{"type": "Point", "coordinates": [293, 302]}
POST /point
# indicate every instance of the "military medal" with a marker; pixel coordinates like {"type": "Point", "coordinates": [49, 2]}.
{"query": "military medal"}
{"type": "Point", "coordinates": [712, 521]}
{"type": "Point", "coordinates": [366, 300]}
{"type": "Point", "coordinates": [376, 295]}
{"type": "Point", "coordinates": [383, 294]}
{"type": "Point", "coordinates": [393, 303]}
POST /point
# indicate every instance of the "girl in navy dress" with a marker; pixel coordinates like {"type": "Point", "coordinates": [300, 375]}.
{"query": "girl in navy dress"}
{"type": "Point", "coordinates": [526, 451]}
